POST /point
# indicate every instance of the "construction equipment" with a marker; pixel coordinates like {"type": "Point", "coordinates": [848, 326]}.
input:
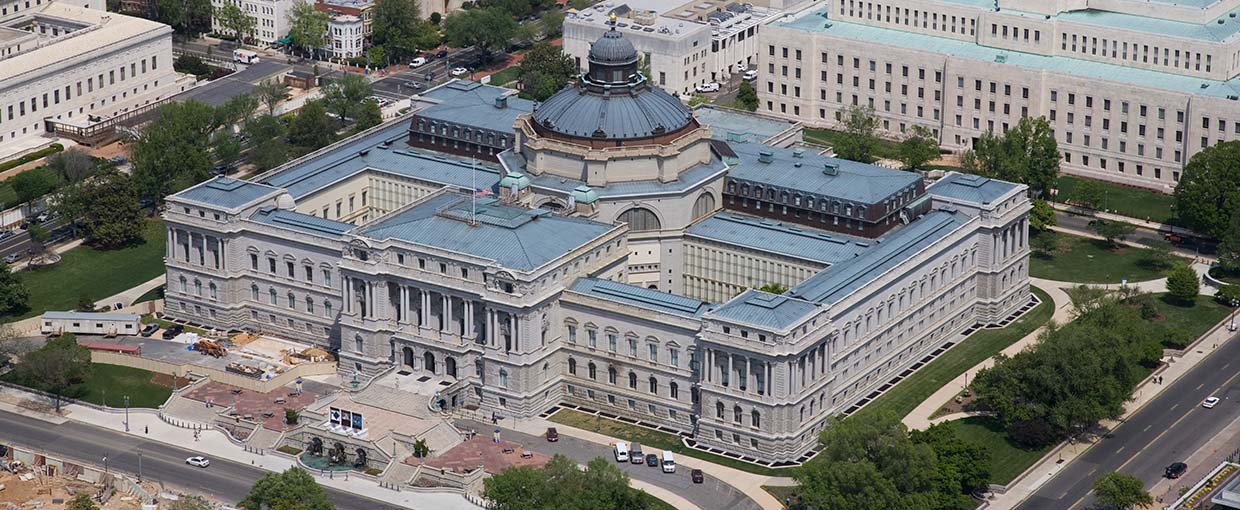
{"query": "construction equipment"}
{"type": "Point", "coordinates": [207, 347]}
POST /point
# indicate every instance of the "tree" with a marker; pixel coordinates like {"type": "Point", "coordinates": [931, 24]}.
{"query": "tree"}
{"type": "Point", "coordinates": [189, 502]}
{"type": "Point", "coordinates": [1228, 294]}
{"type": "Point", "coordinates": [544, 71]}
{"type": "Point", "coordinates": [13, 294]}
{"type": "Point", "coordinates": [436, 18]}
{"type": "Point", "coordinates": [271, 92]}
{"type": "Point", "coordinates": [747, 97]}
{"type": "Point", "coordinates": [307, 26]}
{"type": "Point", "coordinates": [398, 28]}
{"type": "Point", "coordinates": [55, 367]}
{"type": "Point", "coordinates": [484, 29]}
{"type": "Point", "coordinates": [291, 416]}
{"type": "Point", "coordinates": [225, 147]}
{"type": "Point", "coordinates": [420, 449]}
{"type": "Point", "coordinates": [1089, 193]}
{"type": "Point", "coordinates": [1208, 193]}
{"type": "Point", "coordinates": [191, 64]}
{"type": "Point", "coordinates": [773, 288]}
{"type": "Point", "coordinates": [266, 137]}
{"type": "Point", "coordinates": [369, 116]}
{"type": "Point", "coordinates": [188, 18]}
{"type": "Point", "coordinates": [966, 463]}
{"type": "Point", "coordinates": [232, 18]}
{"type": "Point", "coordinates": [1183, 285]}
{"type": "Point", "coordinates": [1121, 491]}
{"type": "Point", "coordinates": [344, 96]}
{"type": "Point", "coordinates": [106, 207]}
{"type": "Point", "coordinates": [38, 238]}
{"type": "Point", "coordinates": [1160, 255]}
{"type": "Point", "coordinates": [174, 153]}
{"type": "Point", "coordinates": [919, 148]}
{"type": "Point", "coordinates": [859, 139]}
{"type": "Point", "coordinates": [1042, 216]}
{"type": "Point", "coordinates": [1027, 154]}
{"type": "Point", "coordinates": [312, 128]}
{"type": "Point", "coordinates": [82, 501]}
{"type": "Point", "coordinates": [238, 109]}
{"type": "Point", "coordinates": [71, 165]}
{"type": "Point", "coordinates": [1229, 248]}
{"type": "Point", "coordinates": [1045, 244]}
{"type": "Point", "coordinates": [552, 23]}
{"type": "Point", "coordinates": [294, 489]}
{"type": "Point", "coordinates": [1114, 232]}
{"type": "Point", "coordinates": [33, 184]}
{"type": "Point", "coordinates": [560, 484]}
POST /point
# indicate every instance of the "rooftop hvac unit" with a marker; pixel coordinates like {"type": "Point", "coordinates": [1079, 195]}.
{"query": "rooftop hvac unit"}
{"type": "Point", "coordinates": [646, 18]}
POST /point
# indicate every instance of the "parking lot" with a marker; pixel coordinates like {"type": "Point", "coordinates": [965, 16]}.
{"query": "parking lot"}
{"type": "Point", "coordinates": [402, 84]}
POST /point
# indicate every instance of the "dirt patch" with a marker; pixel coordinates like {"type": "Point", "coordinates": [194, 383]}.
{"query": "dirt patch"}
{"type": "Point", "coordinates": [53, 493]}
{"type": "Point", "coordinates": [167, 381]}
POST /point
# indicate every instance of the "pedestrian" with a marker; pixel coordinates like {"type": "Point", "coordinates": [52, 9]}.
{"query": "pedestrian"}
{"type": "Point", "coordinates": [146, 429]}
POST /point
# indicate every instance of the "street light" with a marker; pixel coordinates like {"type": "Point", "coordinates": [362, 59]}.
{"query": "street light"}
{"type": "Point", "coordinates": [105, 464]}
{"type": "Point", "coordinates": [139, 467]}
{"type": "Point", "coordinates": [126, 413]}
{"type": "Point", "coordinates": [1232, 327]}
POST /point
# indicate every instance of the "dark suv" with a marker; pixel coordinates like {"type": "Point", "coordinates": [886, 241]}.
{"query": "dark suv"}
{"type": "Point", "coordinates": [173, 331]}
{"type": "Point", "coordinates": [1176, 470]}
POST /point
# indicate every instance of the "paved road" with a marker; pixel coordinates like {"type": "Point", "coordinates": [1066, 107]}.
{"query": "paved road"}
{"type": "Point", "coordinates": [1140, 236]}
{"type": "Point", "coordinates": [1168, 429]}
{"type": "Point", "coordinates": [220, 91]}
{"type": "Point", "coordinates": [712, 494]}
{"type": "Point", "coordinates": [19, 243]}
{"type": "Point", "coordinates": [402, 84]}
{"type": "Point", "coordinates": [227, 481]}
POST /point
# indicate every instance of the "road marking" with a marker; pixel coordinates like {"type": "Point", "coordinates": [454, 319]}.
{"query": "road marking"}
{"type": "Point", "coordinates": [1117, 452]}
{"type": "Point", "coordinates": [1172, 426]}
{"type": "Point", "coordinates": [1199, 386]}
{"type": "Point", "coordinates": [1177, 404]}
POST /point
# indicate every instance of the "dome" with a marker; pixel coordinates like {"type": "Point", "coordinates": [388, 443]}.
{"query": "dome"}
{"type": "Point", "coordinates": [613, 48]}
{"type": "Point", "coordinates": [644, 113]}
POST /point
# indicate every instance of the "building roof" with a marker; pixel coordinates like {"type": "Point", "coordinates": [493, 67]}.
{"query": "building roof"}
{"type": "Point", "coordinates": [854, 181]}
{"type": "Point", "coordinates": [641, 297]}
{"type": "Point", "coordinates": [226, 192]}
{"type": "Point", "coordinates": [301, 222]}
{"type": "Point", "coordinates": [738, 126]}
{"type": "Point", "coordinates": [812, 21]}
{"type": "Point", "coordinates": [111, 29]}
{"type": "Point", "coordinates": [384, 150]}
{"type": "Point", "coordinates": [473, 104]}
{"type": "Point", "coordinates": [971, 188]}
{"type": "Point", "coordinates": [91, 316]}
{"type": "Point", "coordinates": [763, 309]}
{"type": "Point", "coordinates": [690, 179]}
{"type": "Point", "coordinates": [1217, 30]}
{"type": "Point", "coordinates": [613, 48]}
{"type": "Point", "coordinates": [648, 111]}
{"type": "Point", "coordinates": [772, 236]}
{"type": "Point", "coordinates": [836, 282]}
{"type": "Point", "coordinates": [514, 237]}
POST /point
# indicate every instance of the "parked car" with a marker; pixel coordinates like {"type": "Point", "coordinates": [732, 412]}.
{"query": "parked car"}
{"type": "Point", "coordinates": [441, 54]}
{"type": "Point", "coordinates": [707, 87]}
{"type": "Point", "coordinates": [149, 330]}
{"type": "Point", "coordinates": [11, 258]}
{"type": "Point", "coordinates": [1209, 403]}
{"type": "Point", "coordinates": [750, 75]}
{"type": "Point", "coordinates": [652, 460]}
{"type": "Point", "coordinates": [417, 62]}
{"type": "Point", "coordinates": [696, 476]}
{"type": "Point", "coordinates": [635, 454]}
{"type": "Point", "coordinates": [173, 331]}
{"type": "Point", "coordinates": [118, 160]}
{"type": "Point", "coordinates": [198, 461]}
{"type": "Point", "coordinates": [5, 234]}
{"type": "Point", "coordinates": [459, 71]}
{"type": "Point", "coordinates": [1176, 470]}
{"type": "Point", "coordinates": [552, 435]}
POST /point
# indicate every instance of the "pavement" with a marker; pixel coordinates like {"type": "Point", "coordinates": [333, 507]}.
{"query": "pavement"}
{"type": "Point", "coordinates": [1141, 237]}
{"type": "Point", "coordinates": [218, 92]}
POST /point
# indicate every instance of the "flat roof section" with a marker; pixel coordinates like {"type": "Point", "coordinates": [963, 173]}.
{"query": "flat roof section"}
{"type": "Point", "coordinates": [301, 222]}
{"type": "Point", "coordinates": [805, 171]}
{"type": "Point", "coordinates": [763, 309]}
{"type": "Point", "coordinates": [737, 126]}
{"type": "Point", "coordinates": [226, 192]}
{"type": "Point", "coordinates": [971, 188]}
{"type": "Point", "coordinates": [474, 104]}
{"type": "Point", "coordinates": [790, 240]}
{"type": "Point", "coordinates": [641, 297]}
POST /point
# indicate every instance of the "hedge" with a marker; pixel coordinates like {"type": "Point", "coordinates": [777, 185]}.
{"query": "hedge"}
{"type": "Point", "coordinates": [39, 154]}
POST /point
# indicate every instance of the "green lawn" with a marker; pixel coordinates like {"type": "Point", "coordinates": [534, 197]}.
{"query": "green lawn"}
{"type": "Point", "coordinates": [113, 383]}
{"type": "Point", "coordinates": [96, 274]}
{"type": "Point", "coordinates": [1007, 460]}
{"type": "Point", "coordinates": [151, 295]}
{"type": "Point", "coordinates": [780, 492]}
{"type": "Point", "coordinates": [1180, 325]}
{"type": "Point", "coordinates": [883, 148]}
{"type": "Point", "coordinates": [502, 78]}
{"type": "Point", "coordinates": [1132, 202]}
{"type": "Point", "coordinates": [1084, 260]}
{"type": "Point", "coordinates": [982, 344]}
{"type": "Point", "coordinates": [654, 439]}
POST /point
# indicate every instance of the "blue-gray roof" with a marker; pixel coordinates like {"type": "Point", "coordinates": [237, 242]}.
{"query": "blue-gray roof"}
{"type": "Point", "coordinates": [324, 170]}
{"type": "Point", "coordinates": [645, 112]}
{"type": "Point", "coordinates": [813, 21]}
{"type": "Point", "coordinates": [1217, 30]}
{"type": "Point", "coordinates": [473, 104]}
{"type": "Point", "coordinates": [612, 48]}
{"type": "Point", "coordinates": [641, 297]}
{"type": "Point", "coordinates": [91, 316]}
{"type": "Point", "coordinates": [837, 281]}
{"type": "Point", "coordinates": [514, 237]}
{"type": "Point", "coordinates": [970, 188]}
{"type": "Point", "coordinates": [772, 236]}
{"type": "Point", "coordinates": [738, 126]}
{"type": "Point", "coordinates": [856, 182]}
{"type": "Point", "coordinates": [763, 309]}
{"type": "Point", "coordinates": [690, 179]}
{"type": "Point", "coordinates": [226, 192]}
{"type": "Point", "coordinates": [301, 222]}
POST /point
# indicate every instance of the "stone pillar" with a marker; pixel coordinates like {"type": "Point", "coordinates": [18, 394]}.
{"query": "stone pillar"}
{"type": "Point", "coordinates": [708, 360]}
{"type": "Point", "coordinates": [348, 295]}
{"type": "Point", "coordinates": [766, 382]}
{"type": "Point", "coordinates": [490, 326]}
{"type": "Point", "coordinates": [512, 333]}
{"type": "Point", "coordinates": [445, 315]}
{"type": "Point", "coordinates": [219, 253]}
{"type": "Point", "coordinates": [731, 375]}
{"type": "Point", "coordinates": [469, 318]}
{"type": "Point", "coordinates": [425, 319]}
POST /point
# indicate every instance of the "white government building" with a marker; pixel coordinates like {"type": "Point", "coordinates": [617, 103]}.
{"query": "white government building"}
{"type": "Point", "coordinates": [1133, 88]}
{"type": "Point", "coordinates": [66, 62]}
{"type": "Point", "coordinates": [271, 20]}
{"type": "Point", "coordinates": [608, 261]}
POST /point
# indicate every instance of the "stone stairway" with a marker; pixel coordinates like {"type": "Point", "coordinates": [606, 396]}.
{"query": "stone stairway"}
{"type": "Point", "coordinates": [398, 401]}
{"type": "Point", "coordinates": [265, 438]}
{"type": "Point", "coordinates": [398, 473]}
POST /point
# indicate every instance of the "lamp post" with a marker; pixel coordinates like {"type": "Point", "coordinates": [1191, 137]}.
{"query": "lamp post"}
{"type": "Point", "coordinates": [105, 464]}
{"type": "Point", "coordinates": [139, 467]}
{"type": "Point", "coordinates": [126, 413]}
{"type": "Point", "coordinates": [1232, 327]}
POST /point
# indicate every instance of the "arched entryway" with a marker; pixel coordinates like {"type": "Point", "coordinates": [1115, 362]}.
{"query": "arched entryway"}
{"type": "Point", "coordinates": [450, 366]}
{"type": "Point", "coordinates": [407, 356]}
{"type": "Point", "coordinates": [428, 362]}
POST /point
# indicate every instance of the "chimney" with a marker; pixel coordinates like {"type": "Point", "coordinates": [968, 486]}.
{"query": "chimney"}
{"type": "Point", "coordinates": [766, 157]}
{"type": "Point", "coordinates": [501, 102]}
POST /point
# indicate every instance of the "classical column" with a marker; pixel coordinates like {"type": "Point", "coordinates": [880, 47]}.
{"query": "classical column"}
{"type": "Point", "coordinates": [348, 295]}
{"type": "Point", "coordinates": [791, 377]}
{"type": "Point", "coordinates": [425, 319]}
{"type": "Point", "coordinates": [766, 382]}
{"type": "Point", "coordinates": [469, 318]}
{"type": "Point", "coordinates": [490, 326]}
{"type": "Point", "coordinates": [512, 333]}
{"type": "Point", "coordinates": [708, 359]}
{"type": "Point", "coordinates": [731, 374]}
{"type": "Point", "coordinates": [219, 253]}
{"type": "Point", "coordinates": [402, 294]}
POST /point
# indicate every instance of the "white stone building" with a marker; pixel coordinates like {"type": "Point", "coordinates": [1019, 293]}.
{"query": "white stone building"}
{"type": "Point", "coordinates": [574, 274]}
{"type": "Point", "coordinates": [271, 22]}
{"type": "Point", "coordinates": [346, 36]}
{"type": "Point", "coordinates": [1132, 88]}
{"type": "Point", "coordinates": [67, 63]}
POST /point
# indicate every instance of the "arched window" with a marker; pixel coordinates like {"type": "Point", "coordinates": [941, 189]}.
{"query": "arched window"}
{"type": "Point", "coordinates": [215, 294]}
{"type": "Point", "coordinates": [611, 375]}
{"type": "Point", "coordinates": [272, 293]}
{"type": "Point", "coordinates": [632, 380]}
{"type": "Point", "coordinates": [327, 307]}
{"type": "Point", "coordinates": [802, 414]}
{"type": "Point", "coordinates": [654, 385]}
{"type": "Point", "coordinates": [184, 284]}
{"type": "Point", "coordinates": [309, 304]}
{"type": "Point", "coordinates": [572, 366]}
{"type": "Point", "coordinates": [737, 413]}
{"type": "Point", "coordinates": [503, 378]}
{"type": "Point", "coordinates": [197, 286]}
{"type": "Point", "coordinates": [639, 219]}
{"type": "Point", "coordinates": [254, 292]}
{"type": "Point", "coordinates": [719, 410]}
{"type": "Point", "coordinates": [755, 418]}
{"type": "Point", "coordinates": [673, 390]}
{"type": "Point", "coordinates": [292, 301]}
{"type": "Point", "coordinates": [704, 205]}
{"type": "Point", "coordinates": [593, 371]}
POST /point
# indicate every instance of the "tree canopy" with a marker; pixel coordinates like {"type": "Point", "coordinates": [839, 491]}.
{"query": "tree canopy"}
{"type": "Point", "coordinates": [1208, 193]}
{"type": "Point", "coordinates": [561, 485]}
{"type": "Point", "coordinates": [1229, 248]}
{"type": "Point", "coordinates": [1183, 285]}
{"type": "Point", "coordinates": [189, 18]}
{"type": "Point", "coordinates": [345, 95]}
{"type": "Point", "coordinates": [919, 148]}
{"type": "Point", "coordinates": [747, 97]}
{"type": "Point", "coordinates": [232, 18]}
{"type": "Point", "coordinates": [72, 165]}
{"type": "Point", "coordinates": [294, 489]}
{"type": "Point", "coordinates": [1120, 491]}
{"type": "Point", "coordinates": [1042, 216]}
{"type": "Point", "coordinates": [1027, 154]}
{"type": "Point", "coordinates": [860, 126]}
{"type": "Point", "coordinates": [56, 366]}
{"type": "Point", "coordinates": [312, 128]}
{"type": "Point", "coordinates": [13, 293]}
{"type": "Point", "coordinates": [307, 26]}
{"type": "Point", "coordinates": [106, 207]}
{"type": "Point", "coordinates": [544, 71]}
{"type": "Point", "coordinates": [398, 28]}
{"type": "Point", "coordinates": [485, 29]}
{"type": "Point", "coordinates": [1114, 232]}
{"type": "Point", "coordinates": [174, 153]}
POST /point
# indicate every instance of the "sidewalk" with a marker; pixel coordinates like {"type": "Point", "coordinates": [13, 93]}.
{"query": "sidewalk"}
{"type": "Point", "coordinates": [214, 444]}
{"type": "Point", "coordinates": [1146, 224]}
{"type": "Point", "coordinates": [1200, 463]}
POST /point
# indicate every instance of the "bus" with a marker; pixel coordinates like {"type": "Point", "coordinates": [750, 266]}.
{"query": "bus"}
{"type": "Point", "coordinates": [245, 56]}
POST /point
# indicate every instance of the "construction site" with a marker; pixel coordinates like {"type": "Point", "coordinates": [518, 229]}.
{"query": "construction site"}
{"type": "Point", "coordinates": [30, 480]}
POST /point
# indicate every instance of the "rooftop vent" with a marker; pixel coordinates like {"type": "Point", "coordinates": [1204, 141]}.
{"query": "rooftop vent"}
{"type": "Point", "coordinates": [363, 152]}
{"type": "Point", "coordinates": [798, 153]}
{"type": "Point", "coordinates": [830, 169]}
{"type": "Point", "coordinates": [1221, 21]}
{"type": "Point", "coordinates": [1231, 15]}
{"type": "Point", "coordinates": [766, 157]}
{"type": "Point", "coordinates": [501, 102]}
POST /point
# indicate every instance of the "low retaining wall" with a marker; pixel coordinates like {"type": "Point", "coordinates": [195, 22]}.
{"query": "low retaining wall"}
{"type": "Point", "coordinates": [220, 376]}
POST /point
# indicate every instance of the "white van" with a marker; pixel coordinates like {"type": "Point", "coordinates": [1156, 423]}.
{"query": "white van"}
{"type": "Point", "coordinates": [622, 451]}
{"type": "Point", "coordinates": [669, 463]}
{"type": "Point", "coordinates": [245, 56]}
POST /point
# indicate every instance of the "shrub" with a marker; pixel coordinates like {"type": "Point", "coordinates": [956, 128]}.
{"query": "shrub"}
{"type": "Point", "coordinates": [41, 153]}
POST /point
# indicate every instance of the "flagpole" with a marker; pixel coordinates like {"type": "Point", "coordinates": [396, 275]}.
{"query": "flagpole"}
{"type": "Point", "coordinates": [473, 192]}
